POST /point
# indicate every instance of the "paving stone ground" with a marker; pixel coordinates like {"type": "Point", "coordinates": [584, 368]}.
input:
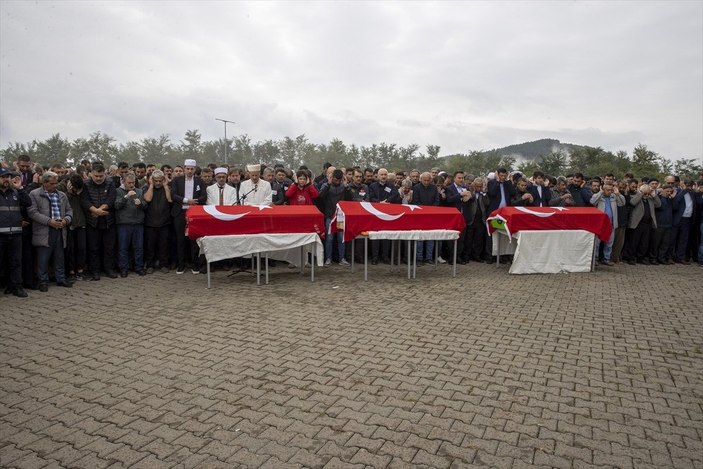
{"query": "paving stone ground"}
{"type": "Point", "coordinates": [484, 370]}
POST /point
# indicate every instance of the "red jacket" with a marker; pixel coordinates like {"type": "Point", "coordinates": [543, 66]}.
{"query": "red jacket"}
{"type": "Point", "coordinates": [304, 196]}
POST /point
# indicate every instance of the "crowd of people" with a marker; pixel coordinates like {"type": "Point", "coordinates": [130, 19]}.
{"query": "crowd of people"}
{"type": "Point", "coordinates": [85, 222]}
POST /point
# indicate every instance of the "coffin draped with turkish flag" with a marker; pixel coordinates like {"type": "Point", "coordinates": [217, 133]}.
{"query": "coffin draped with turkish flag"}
{"type": "Point", "coordinates": [218, 220]}
{"type": "Point", "coordinates": [359, 217]}
{"type": "Point", "coordinates": [514, 219]}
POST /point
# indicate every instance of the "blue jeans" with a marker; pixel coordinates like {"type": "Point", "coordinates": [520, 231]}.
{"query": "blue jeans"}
{"type": "Point", "coordinates": [130, 235]}
{"type": "Point", "coordinates": [607, 247]}
{"type": "Point", "coordinates": [55, 252]}
{"type": "Point", "coordinates": [329, 239]}
{"type": "Point", "coordinates": [428, 248]}
{"type": "Point", "coordinates": [700, 245]}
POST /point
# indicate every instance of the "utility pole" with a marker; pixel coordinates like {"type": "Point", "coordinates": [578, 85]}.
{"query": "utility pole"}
{"type": "Point", "coordinates": [225, 121]}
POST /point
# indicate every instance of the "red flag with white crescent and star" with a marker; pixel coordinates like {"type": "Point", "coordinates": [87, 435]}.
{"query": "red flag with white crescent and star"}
{"type": "Point", "coordinates": [216, 220]}
{"type": "Point", "coordinates": [514, 219]}
{"type": "Point", "coordinates": [359, 217]}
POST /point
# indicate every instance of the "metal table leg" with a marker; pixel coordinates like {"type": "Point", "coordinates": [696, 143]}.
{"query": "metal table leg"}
{"type": "Point", "coordinates": [312, 262]}
{"type": "Point", "coordinates": [258, 268]}
{"type": "Point", "coordinates": [454, 271]}
{"type": "Point", "coordinates": [366, 258]}
{"type": "Point", "coordinates": [266, 268]}
{"type": "Point", "coordinates": [208, 274]}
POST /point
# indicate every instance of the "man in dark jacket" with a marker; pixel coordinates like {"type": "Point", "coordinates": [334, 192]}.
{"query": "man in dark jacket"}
{"type": "Point", "coordinates": [660, 247]}
{"type": "Point", "coordinates": [381, 191]}
{"type": "Point", "coordinates": [332, 192]}
{"type": "Point", "coordinates": [129, 217]}
{"type": "Point", "coordinates": [12, 199]}
{"type": "Point", "coordinates": [425, 193]}
{"type": "Point", "coordinates": [157, 221]}
{"type": "Point", "coordinates": [98, 202]}
{"type": "Point", "coordinates": [186, 191]}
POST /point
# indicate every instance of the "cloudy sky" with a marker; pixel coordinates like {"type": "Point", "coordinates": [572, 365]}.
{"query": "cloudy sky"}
{"type": "Point", "coordinates": [462, 75]}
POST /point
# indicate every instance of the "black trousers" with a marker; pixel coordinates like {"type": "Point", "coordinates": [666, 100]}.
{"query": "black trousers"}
{"type": "Point", "coordinates": [660, 244]}
{"type": "Point", "coordinates": [156, 245]}
{"type": "Point", "coordinates": [98, 239]}
{"type": "Point", "coordinates": [76, 249]}
{"type": "Point", "coordinates": [186, 248]}
{"type": "Point", "coordinates": [11, 256]}
{"type": "Point", "coordinates": [27, 257]}
{"type": "Point", "coordinates": [475, 241]}
{"type": "Point", "coordinates": [640, 241]}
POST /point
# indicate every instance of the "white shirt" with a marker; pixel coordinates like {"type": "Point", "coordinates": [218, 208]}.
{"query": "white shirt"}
{"type": "Point", "coordinates": [188, 191]}
{"type": "Point", "coordinates": [229, 195]}
{"type": "Point", "coordinates": [261, 196]}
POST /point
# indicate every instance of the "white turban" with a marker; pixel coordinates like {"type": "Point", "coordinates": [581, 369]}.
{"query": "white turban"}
{"type": "Point", "coordinates": [220, 171]}
{"type": "Point", "coordinates": [252, 168]}
{"type": "Point", "coordinates": [189, 163]}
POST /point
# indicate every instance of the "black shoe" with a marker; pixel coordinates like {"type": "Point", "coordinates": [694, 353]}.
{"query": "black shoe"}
{"type": "Point", "coordinates": [654, 262]}
{"type": "Point", "coordinates": [490, 261]}
{"type": "Point", "coordinates": [141, 273]}
{"type": "Point", "coordinates": [111, 274]}
{"type": "Point", "coordinates": [9, 290]}
{"type": "Point", "coordinates": [631, 262]}
{"type": "Point", "coordinates": [122, 274]}
{"type": "Point", "coordinates": [95, 278]}
{"type": "Point", "coordinates": [64, 284]}
{"type": "Point", "coordinates": [43, 288]}
{"type": "Point", "coordinates": [645, 262]}
{"type": "Point", "coordinates": [374, 261]}
{"type": "Point", "coordinates": [19, 292]}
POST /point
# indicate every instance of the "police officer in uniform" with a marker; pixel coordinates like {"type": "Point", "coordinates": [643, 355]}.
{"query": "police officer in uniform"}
{"type": "Point", "coordinates": [12, 199]}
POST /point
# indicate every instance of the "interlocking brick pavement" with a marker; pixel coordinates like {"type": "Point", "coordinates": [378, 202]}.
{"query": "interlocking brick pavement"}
{"type": "Point", "coordinates": [488, 369]}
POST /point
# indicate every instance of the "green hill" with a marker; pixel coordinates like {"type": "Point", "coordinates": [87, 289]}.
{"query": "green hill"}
{"type": "Point", "coordinates": [530, 151]}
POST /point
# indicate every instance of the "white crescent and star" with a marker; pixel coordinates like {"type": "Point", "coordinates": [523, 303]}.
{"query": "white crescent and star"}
{"type": "Point", "coordinates": [379, 214]}
{"type": "Point", "coordinates": [540, 214]}
{"type": "Point", "coordinates": [212, 210]}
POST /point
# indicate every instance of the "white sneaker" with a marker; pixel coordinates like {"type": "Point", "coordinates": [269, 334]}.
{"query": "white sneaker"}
{"type": "Point", "coordinates": [179, 272]}
{"type": "Point", "coordinates": [440, 260]}
{"type": "Point", "coordinates": [328, 262]}
{"type": "Point", "coordinates": [195, 271]}
{"type": "Point", "coordinates": [344, 262]}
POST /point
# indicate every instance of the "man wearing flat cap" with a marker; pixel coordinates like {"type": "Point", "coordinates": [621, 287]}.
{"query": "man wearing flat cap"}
{"type": "Point", "coordinates": [221, 193]}
{"type": "Point", "coordinates": [186, 190]}
{"type": "Point", "coordinates": [255, 191]}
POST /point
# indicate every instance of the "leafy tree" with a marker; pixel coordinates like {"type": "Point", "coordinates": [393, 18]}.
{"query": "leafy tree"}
{"type": "Point", "coordinates": [190, 145]}
{"type": "Point", "coordinates": [555, 163]}
{"type": "Point", "coordinates": [645, 162]}
{"type": "Point", "coordinates": [54, 150]}
{"type": "Point", "coordinates": [687, 168]}
{"type": "Point", "coordinates": [15, 149]}
{"type": "Point", "coordinates": [156, 149]}
{"type": "Point", "coordinates": [129, 152]}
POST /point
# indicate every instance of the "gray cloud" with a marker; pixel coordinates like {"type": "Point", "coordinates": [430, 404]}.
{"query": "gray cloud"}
{"type": "Point", "coordinates": [470, 75]}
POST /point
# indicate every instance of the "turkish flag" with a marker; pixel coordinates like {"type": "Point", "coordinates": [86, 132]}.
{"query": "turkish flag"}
{"type": "Point", "coordinates": [514, 219]}
{"type": "Point", "coordinates": [358, 217]}
{"type": "Point", "coordinates": [213, 220]}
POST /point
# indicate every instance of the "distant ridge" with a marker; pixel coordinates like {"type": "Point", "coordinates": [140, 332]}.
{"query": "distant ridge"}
{"type": "Point", "coordinates": [530, 151]}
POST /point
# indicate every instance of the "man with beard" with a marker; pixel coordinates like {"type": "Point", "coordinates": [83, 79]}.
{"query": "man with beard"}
{"type": "Point", "coordinates": [221, 193]}
{"type": "Point", "coordinates": [382, 191]}
{"type": "Point", "coordinates": [186, 191]}
{"type": "Point", "coordinates": [98, 202]}
{"type": "Point", "coordinates": [255, 191]}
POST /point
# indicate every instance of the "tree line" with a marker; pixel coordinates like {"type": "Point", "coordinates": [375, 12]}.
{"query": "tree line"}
{"type": "Point", "coordinates": [293, 152]}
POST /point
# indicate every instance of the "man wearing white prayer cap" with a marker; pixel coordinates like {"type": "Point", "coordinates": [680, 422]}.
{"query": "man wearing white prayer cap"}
{"type": "Point", "coordinates": [255, 191]}
{"type": "Point", "coordinates": [186, 191]}
{"type": "Point", "coordinates": [221, 193]}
